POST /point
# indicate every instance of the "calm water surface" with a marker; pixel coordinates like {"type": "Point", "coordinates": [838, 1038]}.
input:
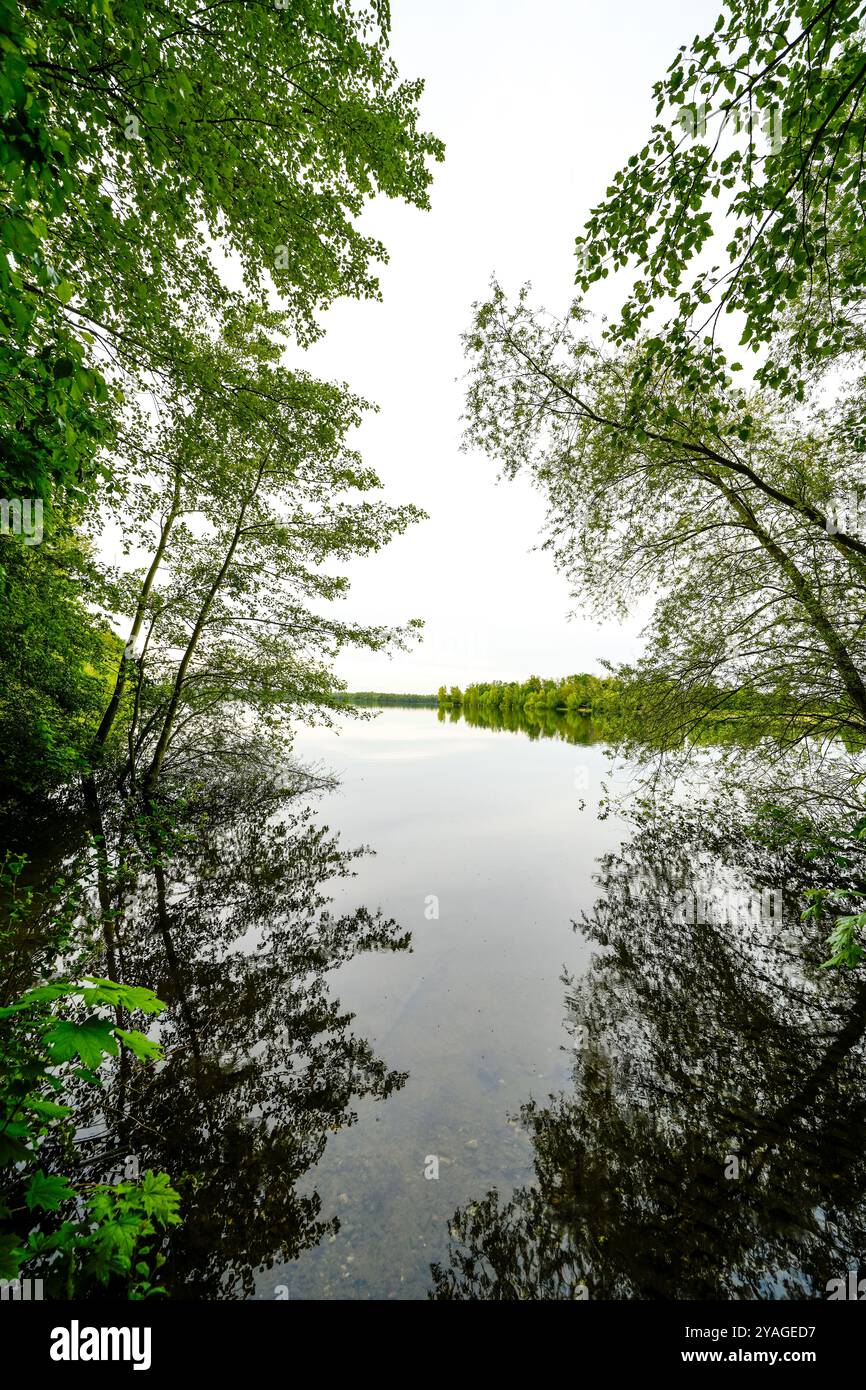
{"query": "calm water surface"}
{"type": "Point", "coordinates": [689, 1089]}
{"type": "Point", "coordinates": [500, 835]}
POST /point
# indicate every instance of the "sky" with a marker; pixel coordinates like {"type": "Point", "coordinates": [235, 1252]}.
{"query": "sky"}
{"type": "Point", "coordinates": [539, 102]}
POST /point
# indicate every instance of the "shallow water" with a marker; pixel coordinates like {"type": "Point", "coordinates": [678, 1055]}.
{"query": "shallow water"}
{"type": "Point", "coordinates": [500, 836]}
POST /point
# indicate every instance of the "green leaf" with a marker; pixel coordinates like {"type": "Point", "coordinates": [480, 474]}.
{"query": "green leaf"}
{"type": "Point", "coordinates": [143, 1047]}
{"type": "Point", "coordinates": [91, 1041]}
{"type": "Point", "coordinates": [47, 1192]}
{"type": "Point", "coordinates": [11, 1257]}
{"type": "Point", "coordinates": [159, 1199]}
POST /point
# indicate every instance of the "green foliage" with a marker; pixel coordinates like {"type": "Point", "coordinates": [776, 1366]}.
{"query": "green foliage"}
{"type": "Point", "coordinates": [52, 402]}
{"type": "Point", "coordinates": [581, 694]}
{"type": "Point", "coordinates": [848, 928]}
{"type": "Point", "coordinates": [75, 1236]}
{"type": "Point", "coordinates": [759, 160]}
{"type": "Point", "coordinates": [845, 949]}
{"type": "Point", "coordinates": [133, 142]}
{"type": "Point", "coordinates": [56, 663]}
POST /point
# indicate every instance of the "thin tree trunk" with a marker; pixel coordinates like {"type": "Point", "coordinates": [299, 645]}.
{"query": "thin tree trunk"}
{"type": "Point", "coordinates": [127, 660]}
{"type": "Point", "coordinates": [153, 771]}
{"type": "Point", "coordinates": [841, 657]}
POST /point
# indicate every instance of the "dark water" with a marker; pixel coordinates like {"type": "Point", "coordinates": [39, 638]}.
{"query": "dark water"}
{"type": "Point", "coordinates": [408, 1072]}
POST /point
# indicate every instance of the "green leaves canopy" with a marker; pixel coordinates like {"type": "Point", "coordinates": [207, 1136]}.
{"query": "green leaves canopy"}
{"type": "Point", "coordinates": [759, 160]}
{"type": "Point", "coordinates": [139, 144]}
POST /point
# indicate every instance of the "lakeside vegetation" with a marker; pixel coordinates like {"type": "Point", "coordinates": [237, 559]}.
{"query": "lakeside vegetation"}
{"type": "Point", "coordinates": [180, 207]}
{"type": "Point", "coordinates": [629, 705]}
{"type": "Point", "coordinates": [199, 500]}
{"type": "Point", "coordinates": [380, 697]}
{"type": "Point", "coordinates": [582, 694]}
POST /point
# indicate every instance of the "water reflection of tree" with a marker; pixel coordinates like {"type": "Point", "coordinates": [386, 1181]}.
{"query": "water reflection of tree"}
{"type": "Point", "coordinates": [543, 723]}
{"type": "Point", "coordinates": [700, 1050]}
{"type": "Point", "coordinates": [635, 736]}
{"type": "Point", "coordinates": [235, 932]}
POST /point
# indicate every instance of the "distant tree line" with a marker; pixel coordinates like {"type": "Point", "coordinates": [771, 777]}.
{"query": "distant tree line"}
{"type": "Point", "coordinates": [630, 696]}
{"type": "Point", "coordinates": [581, 693]}
{"type": "Point", "coordinates": [379, 697]}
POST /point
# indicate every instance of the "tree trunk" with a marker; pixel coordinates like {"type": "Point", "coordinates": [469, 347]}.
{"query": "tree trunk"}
{"type": "Point", "coordinates": [841, 657]}
{"type": "Point", "coordinates": [153, 771]}
{"type": "Point", "coordinates": [126, 660]}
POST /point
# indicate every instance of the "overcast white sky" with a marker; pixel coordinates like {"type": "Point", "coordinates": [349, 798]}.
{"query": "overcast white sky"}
{"type": "Point", "coordinates": [538, 102]}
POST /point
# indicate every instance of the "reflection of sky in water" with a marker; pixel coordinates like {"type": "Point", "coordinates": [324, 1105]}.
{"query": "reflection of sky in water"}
{"type": "Point", "coordinates": [491, 823]}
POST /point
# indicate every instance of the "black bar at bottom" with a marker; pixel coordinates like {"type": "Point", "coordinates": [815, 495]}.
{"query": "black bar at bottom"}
{"type": "Point", "coordinates": [57, 1340]}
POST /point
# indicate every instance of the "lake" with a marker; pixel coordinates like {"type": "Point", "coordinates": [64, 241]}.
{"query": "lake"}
{"type": "Point", "coordinates": [499, 836]}
{"type": "Point", "coordinates": [686, 1102]}
{"type": "Point", "coordinates": [440, 1025]}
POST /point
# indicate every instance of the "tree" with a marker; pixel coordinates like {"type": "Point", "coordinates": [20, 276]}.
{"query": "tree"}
{"type": "Point", "coordinates": [759, 160]}
{"type": "Point", "coordinates": [171, 466]}
{"type": "Point", "coordinates": [718, 504]}
{"type": "Point", "coordinates": [662, 474]}
{"type": "Point", "coordinates": [233, 614]}
{"type": "Point", "coordinates": [140, 148]}
{"type": "Point", "coordinates": [137, 146]}
{"type": "Point", "coordinates": [664, 477]}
